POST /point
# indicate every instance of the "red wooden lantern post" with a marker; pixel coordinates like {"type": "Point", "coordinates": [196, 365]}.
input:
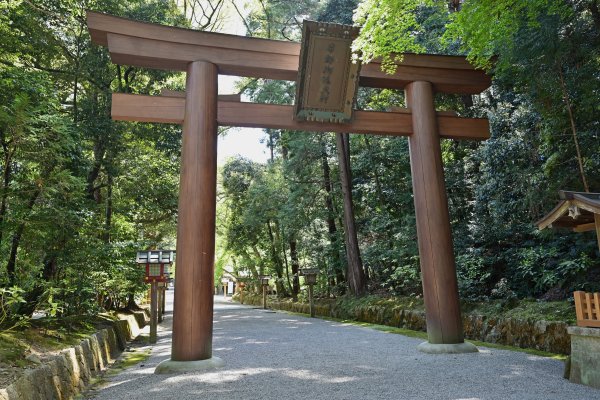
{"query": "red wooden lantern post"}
{"type": "Point", "coordinates": [156, 263]}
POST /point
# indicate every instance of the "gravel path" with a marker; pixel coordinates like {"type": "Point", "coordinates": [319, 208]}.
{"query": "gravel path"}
{"type": "Point", "coordinates": [272, 355]}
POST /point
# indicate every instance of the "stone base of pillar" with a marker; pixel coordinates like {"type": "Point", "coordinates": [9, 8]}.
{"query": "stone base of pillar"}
{"type": "Point", "coordinates": [180, 367]}
{"type": "Point", "coordinates": [585, 356]}
{"type": "Point", "coordinates": [445, 348]}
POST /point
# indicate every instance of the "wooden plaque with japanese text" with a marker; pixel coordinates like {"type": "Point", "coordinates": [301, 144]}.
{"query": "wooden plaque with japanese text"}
{"type": "Point", "coordinates": [327, 77]}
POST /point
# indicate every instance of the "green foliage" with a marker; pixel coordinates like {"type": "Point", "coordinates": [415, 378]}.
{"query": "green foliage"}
{"type": "Point", "coordinates": [10, 299]}
{"type": "Point", "coordinates": [79, 193]}
{"type": "Point", "coordinates": [388, 29]}
{"type": "Point", "coordinates": [504, 20]}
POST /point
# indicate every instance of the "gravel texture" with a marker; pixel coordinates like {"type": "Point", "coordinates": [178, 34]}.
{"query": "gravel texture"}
{"type": "Point", "coordinates": [274, 355]}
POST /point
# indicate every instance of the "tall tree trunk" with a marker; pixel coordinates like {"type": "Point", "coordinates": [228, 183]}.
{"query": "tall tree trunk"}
{"type": "Point", "coordinates": [355, 272]}
{"type": "Point", "coordinates": [16, 239]}
{"type": "Point", "coordinates": [91, 189]}
{"type": "Point", "coordinates": [6, 177]}
{"type": "Point", "coordinates": [261, 266]}
{"type": "Point", "coordinates": [573, 130]}
{"type": "Point", "coordinates": [109, 209]}
{"type": "Point", "coordinates": [295, 289]}
{"type": "Point", "coordinates": [281, 241]}
{"type": "Point", "coordinates": [34, 296]}
{"type": "Point", "coordinates": [331, 227]}
{"type": "Point", "coordinates": [295, 268]}
{"type": "Point", "coordinates": [271, 144]}
{"type": "Point", "coordinates": [278, 265]}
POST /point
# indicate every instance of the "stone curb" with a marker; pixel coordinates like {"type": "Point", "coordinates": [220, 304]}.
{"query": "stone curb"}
{"type": "Point", "coordinates": [69, 372]}
{"type": "Point", "coordinates": [540, 335]}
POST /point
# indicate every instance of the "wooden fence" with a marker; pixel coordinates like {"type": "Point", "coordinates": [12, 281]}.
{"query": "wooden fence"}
{"type": "Point", "coordinates": [587, 308]}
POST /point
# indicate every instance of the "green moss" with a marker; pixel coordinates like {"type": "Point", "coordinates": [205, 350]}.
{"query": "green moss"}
{"type": "Point", "coordinates": [423, 335]}
{"type": "Point", "coordinates": [128, 360]}
{"type": "Point", "coordinates": [526, 309]}
{"type": "Point", "coordinates": [12, 348]}
{"type": "Point", "coordinates": [46, 335]}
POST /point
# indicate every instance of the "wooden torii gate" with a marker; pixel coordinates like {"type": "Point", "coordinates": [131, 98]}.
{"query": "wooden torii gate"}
{"type": "Point", "coordinates": [203, 56]}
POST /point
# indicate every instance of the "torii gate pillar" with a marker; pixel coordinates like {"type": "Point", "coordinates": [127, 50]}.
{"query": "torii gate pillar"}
{"type": "Point", "coordinates": [193, 307]}
{"type": "Point", "coordinates": [438, 270]}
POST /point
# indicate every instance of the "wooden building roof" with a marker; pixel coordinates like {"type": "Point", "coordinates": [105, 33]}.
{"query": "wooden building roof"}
{"type": "Point", "coordinates": [574, 211]}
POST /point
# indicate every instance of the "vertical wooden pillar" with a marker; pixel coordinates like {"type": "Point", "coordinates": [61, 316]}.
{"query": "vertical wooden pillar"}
{"type": "Point", "coordinates": [438, 270]}
{"type": "Point", "coordinates": [193, 307]}
{"type": "Point", "coordinates": [597, 223]}
{"type": "Point", "coordinates": [311, 301]}
{"type": "Point", "coordinates": [159, 305]}
{"type": "Point", "coordinates": [153, 310]}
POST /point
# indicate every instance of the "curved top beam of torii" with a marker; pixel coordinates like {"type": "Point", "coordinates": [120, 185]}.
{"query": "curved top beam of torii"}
{"type": "Point", "coordinates": [164, 47]}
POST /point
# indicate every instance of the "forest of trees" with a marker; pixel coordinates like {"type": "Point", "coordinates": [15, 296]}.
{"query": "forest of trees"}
{"type": "Point", "coordinates": [81, 193]}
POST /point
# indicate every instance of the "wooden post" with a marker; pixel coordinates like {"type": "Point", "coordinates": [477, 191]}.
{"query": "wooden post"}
{"type": "Point", "coordinates": [264, 296]}
{"type": "Point", "coordinates": [597, 223]}
{"type": "Point", "coordinates": [440, 289]}
{"type": "Point", "coordinates": [153, 310]}
{"type": "Point", "coordinates": [311, 301]}
{"type": "Point", "coordinates": [164, 301]}
{"type": "Point", "coordinates": [193, 308]}
{"type": "Point", "coordinates": [159, 310]}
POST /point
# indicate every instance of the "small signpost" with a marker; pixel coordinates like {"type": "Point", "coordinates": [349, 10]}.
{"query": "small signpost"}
{"type": "Point", "coordinates": [224, 282]}
{"type": "Point", "coordinates": [157, 263]}
{"type": "Point", "coordinates": [240, 287]}
{"type": "Point", "coordinates": [264, 281]}
{"type": "Point", "coordinates": [310, 278]}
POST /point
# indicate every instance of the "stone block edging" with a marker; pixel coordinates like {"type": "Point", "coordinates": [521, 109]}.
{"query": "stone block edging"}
{"type": "Point", "coordinates": [69, 372]}
{"type": "Point", "coordinates": [540, 335]}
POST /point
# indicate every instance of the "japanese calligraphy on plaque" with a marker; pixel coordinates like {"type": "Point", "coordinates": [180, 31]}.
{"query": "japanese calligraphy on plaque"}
{"type": "Point", "coordinates": [327, 77]}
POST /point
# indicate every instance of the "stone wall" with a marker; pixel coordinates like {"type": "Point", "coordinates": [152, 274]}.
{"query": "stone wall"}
{"type": "Point", "coordinates": [539, 335]}
{"type": "Point", "coordinates": [69, 372]}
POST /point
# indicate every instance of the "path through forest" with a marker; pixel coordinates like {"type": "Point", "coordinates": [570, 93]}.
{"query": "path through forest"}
{"type": "Point", "coordinates": [275, 355]}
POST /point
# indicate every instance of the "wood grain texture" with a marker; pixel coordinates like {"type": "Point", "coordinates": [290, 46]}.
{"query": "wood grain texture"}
{"type": "Point", "coordinates": [579, 297]}
{"type": "Point", "coordinates": [584, 227]}
{"type": "Point", "coordinates": [153, 311]}
{"type": "Point", "coordinates": [163, 47]}
{"type": "Point", "coordinates": [597, 225]}
{"type": "Point", "coordinates": [129, 107]}
{"type": "Point", "coordinates": [193, 308]}
{"type": "Point", "coordinates": [438, 270]}
{"type": "Point", "coordinates": [222, 97]}
{"type": "Point", "coordinates": [587, 309]}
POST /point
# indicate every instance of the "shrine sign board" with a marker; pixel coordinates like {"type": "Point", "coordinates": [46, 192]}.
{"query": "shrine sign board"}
{"type": "Point", "coordinates": [327, 76]}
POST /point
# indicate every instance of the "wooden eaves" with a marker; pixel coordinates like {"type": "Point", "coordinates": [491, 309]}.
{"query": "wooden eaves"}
{"type": "Point", "coordinates": [577, 211]}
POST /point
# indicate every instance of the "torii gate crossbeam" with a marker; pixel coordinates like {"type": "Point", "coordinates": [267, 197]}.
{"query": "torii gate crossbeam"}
{"type": "Point", "coordinates": [205, 55]}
